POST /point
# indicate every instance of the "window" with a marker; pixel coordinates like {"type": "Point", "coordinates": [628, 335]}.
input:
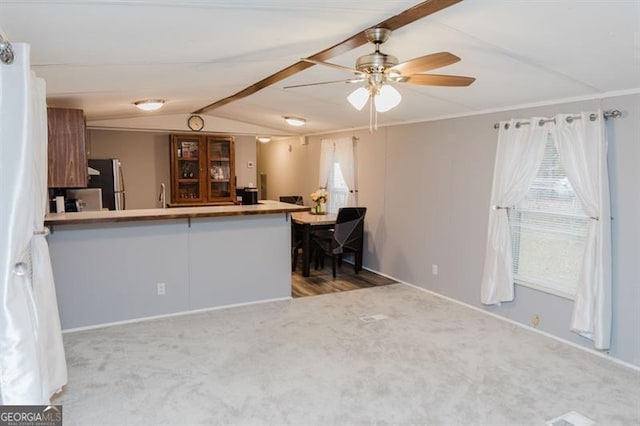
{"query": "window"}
{"type": "Point", "coordinates": [337, 188]}
{"type": "Point", "coordinates": [549, 229]}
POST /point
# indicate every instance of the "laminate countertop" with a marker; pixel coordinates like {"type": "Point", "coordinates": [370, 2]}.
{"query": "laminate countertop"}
{"type": "Point", "coordinates": [106, 216]}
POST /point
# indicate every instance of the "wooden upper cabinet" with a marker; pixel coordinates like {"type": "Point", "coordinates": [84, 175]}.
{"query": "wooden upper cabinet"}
{"type": "Point", "coordinates": [220, 169]}
{"type": "Point", "coordinates": [202, 170]}
{"type": "Point", "coordinates": [67, 148]}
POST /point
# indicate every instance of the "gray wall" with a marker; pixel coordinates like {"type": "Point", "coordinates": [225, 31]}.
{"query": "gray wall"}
{"type": "Point", "coordinates": [427, 188]}
{"type": "Point", "coordinates": [109, 272]}
{"type": "Point", "coordinates": [146, 163]}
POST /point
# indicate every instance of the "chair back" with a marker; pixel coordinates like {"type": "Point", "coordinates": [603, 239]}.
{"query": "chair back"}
{"type": "Point", "coordinates": [291, 199]}
{"type": "Point", "coordinates": [348, 234]}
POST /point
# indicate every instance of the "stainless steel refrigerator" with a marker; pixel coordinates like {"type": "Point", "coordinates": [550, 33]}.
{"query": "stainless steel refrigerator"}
{"type": "Point", "coordinates": [107, 175]}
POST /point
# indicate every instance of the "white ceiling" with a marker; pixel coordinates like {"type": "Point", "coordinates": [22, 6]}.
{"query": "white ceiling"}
{"type": "Point", "coordinates": [101, 55]}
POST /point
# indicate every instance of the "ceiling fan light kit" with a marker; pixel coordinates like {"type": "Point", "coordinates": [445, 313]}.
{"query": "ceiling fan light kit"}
{"type": "Point", "coordinates": [149, 104]}
{"type": "Point", "coordinates": [386, 98]}
{"type": "Point", "coordinates": [358, 98]}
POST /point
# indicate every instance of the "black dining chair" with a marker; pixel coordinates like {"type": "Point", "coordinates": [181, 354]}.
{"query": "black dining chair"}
{"type": "Point", "coordinates": [347, 237]}
{"type": "Point", "coordinates": [296, 234]}
{"type": "Point", "coordinates": [292, 199]}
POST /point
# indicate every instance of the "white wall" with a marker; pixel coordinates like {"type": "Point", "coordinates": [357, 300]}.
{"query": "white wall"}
{"type": "Point", "coordinates": [427, 189]}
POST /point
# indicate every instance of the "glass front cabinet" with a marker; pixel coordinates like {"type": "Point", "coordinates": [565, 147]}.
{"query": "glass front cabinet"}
{"type": "Point", "coordinates": [202, 170]}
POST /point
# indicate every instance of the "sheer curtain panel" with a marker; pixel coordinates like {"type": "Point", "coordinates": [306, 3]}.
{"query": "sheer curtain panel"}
{"type": "Point", "coordinates": [344, 153]}
{"type": "Point", "coordinates": [32, 365]}
{"type": "Point", "coordinates": [518, 156]}
{"type": "Point", "coordinates": [326, 162]}
{"type": "Point", "coordinates": [582, 147]}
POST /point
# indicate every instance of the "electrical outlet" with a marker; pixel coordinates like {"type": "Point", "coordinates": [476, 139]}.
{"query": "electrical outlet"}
{"type": "Point", "coordinates": [162, 289]}
{"type": "Point", "coordinates": [434, 269]}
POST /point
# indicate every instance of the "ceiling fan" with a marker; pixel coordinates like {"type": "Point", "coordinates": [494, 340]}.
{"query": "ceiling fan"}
{"type": "Point", "coordinates": [412, 14]}
{"type": "Point", "coordinates": [377, 70]}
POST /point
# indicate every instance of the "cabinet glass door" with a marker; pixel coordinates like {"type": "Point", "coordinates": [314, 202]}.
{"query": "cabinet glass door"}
{"type": "Point", "coordinates": [188, 170]}
{"type": "Point", "coordinates": [220, 170]}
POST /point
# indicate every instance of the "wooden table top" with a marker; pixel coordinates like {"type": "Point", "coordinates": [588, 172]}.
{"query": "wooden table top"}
{"type": "Point", "coordinates": [265, 207]}
{"type": "Point", "coordinates": [304, 218]}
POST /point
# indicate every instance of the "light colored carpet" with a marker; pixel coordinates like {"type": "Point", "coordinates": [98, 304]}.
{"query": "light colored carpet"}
{"type": "Point", "coordinates": [312, 361]}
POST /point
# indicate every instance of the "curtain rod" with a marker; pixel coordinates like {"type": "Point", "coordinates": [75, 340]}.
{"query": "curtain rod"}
{"type": "Point", "coordinates": [6, 51]}
{"type": "Point", "coordinates": [607, 114]}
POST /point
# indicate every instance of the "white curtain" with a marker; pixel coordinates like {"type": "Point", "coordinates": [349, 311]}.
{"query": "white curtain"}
{"type": "Point", "coordinates": [518, 157]}
{"type": "Point", "coordinates": [52, 357]}
{"type": "Point", "coordinates": [582, 146]}
{"type": "Point", "coordinates": [31, 357]}
{"type": "Point", "coordinates": [344, 153]}
{"type": "Point", "coordinates": [326, 162]}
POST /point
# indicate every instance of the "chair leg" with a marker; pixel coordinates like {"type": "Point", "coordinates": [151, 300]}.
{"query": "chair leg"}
{"type": "Point", "coordinates": [358, 261]}
{"type": "Point", "coordinates": [294, 259]}
{"type": "Point", "coordinates": [333, 265]}
{"type": "Point", "coordinates": [318, 257]}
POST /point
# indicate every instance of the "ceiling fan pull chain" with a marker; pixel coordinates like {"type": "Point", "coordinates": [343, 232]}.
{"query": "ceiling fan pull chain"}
{"type": "Point", "coordinates": [370, 115]}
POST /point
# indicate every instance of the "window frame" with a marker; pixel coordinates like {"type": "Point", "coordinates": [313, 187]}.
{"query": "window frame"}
{"type": "Point", "coordinates": [537, 283]}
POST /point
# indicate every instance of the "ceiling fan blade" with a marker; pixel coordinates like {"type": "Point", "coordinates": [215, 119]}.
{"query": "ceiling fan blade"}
{"type": "Point", "coordinates": [405, 17]}
{"type": "Point", "coordinates": [439, 80]}
{"type": "Point", "coordinates": [425, 63]}
{"type": "Point", "coordinates": [330, 65]}
{"type": "Point", "coordinates": [351, 80]}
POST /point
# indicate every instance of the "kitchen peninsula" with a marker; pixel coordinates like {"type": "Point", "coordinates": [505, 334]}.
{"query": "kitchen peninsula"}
{"type": "Point", "coordinates": [112, 266]}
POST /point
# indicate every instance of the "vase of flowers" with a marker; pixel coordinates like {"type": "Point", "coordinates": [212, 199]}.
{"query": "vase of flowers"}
{"type": "Point", "coordinates": [319, 197]}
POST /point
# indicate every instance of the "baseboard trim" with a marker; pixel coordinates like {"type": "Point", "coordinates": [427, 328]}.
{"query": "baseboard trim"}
{"type": "Point", "coordinates": [173, 314]}
{"type": "Point", "coordinates": [509, 320]}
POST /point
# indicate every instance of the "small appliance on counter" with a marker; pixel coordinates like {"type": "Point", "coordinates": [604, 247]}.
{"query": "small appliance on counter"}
{"type": "Point", "coordinates": [249, 195]}
{"type": "Point", "coordinates": [107, 175]}
{"type": "Point", "coordinates": [86, 199]}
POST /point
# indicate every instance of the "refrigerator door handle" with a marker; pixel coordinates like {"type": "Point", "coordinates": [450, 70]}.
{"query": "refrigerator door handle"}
{"type": "Point", "coordinates": [121, 177]}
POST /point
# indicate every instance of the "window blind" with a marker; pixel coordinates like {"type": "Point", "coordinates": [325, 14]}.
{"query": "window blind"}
{"type": "Point", "coordinates": [549, 230]}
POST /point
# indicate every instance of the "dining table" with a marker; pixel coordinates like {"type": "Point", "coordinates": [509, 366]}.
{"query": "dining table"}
{"type": "Point", "coordinates": [310, 222]}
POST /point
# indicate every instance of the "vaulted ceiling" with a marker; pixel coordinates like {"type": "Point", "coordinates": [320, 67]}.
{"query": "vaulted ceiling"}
{"type": "Point", "coordinates": [101, 55]}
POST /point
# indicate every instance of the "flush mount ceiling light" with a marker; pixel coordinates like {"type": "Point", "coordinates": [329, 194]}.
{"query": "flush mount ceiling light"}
{"type": "Point", "coordinates": [149, 104]}
{"type": "Point", "coordinates": [295, 121]}
{"type": "Point", "coordinates": [264, 139]}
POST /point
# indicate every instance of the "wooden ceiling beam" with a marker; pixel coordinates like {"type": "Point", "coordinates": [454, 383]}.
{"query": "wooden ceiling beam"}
{"type": "Point", "coordinates": [406, 17]}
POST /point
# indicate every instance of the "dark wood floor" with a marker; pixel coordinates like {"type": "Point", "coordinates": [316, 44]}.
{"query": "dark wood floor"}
{"type": "Point", "coordinates": [322, 282]}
